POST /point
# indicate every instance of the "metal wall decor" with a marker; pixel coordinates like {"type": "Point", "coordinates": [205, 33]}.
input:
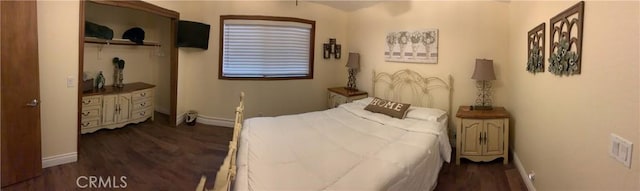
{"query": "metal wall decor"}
{"type": "Point", "coordinates": [565, 50]}
{"type": "Point", "coordinates": [331, 48]}
{"type": "Point", "coordinates": [412, 46]}
{"type": "Point", "coordinates": [535, 49]}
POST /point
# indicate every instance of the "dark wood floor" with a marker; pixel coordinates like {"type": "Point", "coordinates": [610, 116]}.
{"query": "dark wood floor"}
{"type": "Point", "coordinates": [489, 176]}
{"type": "Point", "coordinates": [154, 156]}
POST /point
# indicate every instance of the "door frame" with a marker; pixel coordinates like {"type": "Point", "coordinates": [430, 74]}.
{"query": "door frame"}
{"type": "Point", "coordinates": [142, 6]}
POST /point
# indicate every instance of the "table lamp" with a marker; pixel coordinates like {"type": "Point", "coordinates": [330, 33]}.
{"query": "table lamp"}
{"type": "Point", "coordinates": [353, 64]}
{"type": "Point", "coordinates": [483, 73]}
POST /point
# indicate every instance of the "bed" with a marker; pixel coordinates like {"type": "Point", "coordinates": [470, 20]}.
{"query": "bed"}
{"type": "Point", "coordinates": [347, 147]}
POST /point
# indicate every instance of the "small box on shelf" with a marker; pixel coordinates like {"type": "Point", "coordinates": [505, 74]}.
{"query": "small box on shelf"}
{"type": "Point", "coordinates": [87, 85]}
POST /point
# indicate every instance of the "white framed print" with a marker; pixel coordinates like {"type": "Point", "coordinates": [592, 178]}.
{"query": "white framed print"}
{"type": "Point", "coordinates": [420, 46]}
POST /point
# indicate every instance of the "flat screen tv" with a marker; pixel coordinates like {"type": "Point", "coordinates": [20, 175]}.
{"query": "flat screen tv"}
{"type": "Point", "coordinates": [193, 34]}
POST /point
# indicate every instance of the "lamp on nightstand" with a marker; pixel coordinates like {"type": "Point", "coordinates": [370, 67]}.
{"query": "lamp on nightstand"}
{"type": "Point", "coordinates": [483, 73]}
{"type": "Point", "coordinates": [353, 64]}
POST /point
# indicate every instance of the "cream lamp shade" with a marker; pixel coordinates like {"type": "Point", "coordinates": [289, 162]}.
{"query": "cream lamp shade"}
{"type": "Point", "coordinates": [483, 70]}
{"type": "Point", "coordinates": [354, 61]}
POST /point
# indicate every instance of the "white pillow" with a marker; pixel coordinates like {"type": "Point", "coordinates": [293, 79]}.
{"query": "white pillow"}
{"type": "Point", "coordinates": [424, 113]}
{"type": "Point", "coordinates": [364, 101]}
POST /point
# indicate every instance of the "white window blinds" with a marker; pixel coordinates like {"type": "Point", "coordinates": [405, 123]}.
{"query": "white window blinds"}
{"type": "Point", "coordinates": [266, 49]}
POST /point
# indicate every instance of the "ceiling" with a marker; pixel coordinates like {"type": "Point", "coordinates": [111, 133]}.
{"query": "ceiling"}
{"type": "Point", "coordinates": [350, 5]}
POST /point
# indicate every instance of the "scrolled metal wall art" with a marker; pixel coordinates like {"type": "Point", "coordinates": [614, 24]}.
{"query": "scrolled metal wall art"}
{"type": "Point", "coordinates": [535, 49]}
{"type": "Point", "coordinates": [566, 41]}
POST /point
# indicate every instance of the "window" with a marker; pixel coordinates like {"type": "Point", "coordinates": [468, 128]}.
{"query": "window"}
{"type": "Point", "coordinates": [262, 47]}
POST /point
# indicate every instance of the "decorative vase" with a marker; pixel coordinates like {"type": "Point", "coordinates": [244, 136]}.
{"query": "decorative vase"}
{"type": "Point", "coordinates": [120, 78]}
{"type": "Point", "coordinates": [115, 76]}
{"type": "Point", "coordinates": [100, 81]}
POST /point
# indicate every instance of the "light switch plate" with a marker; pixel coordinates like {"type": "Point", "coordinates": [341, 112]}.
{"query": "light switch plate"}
{"type": "Point", "coordinates": [621, 149]}
{"type": "Point", "coordinates": [70, 81]}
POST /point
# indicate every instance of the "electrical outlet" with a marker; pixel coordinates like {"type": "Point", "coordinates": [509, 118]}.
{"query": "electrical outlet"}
{"type": "Point", "coordinates": [621, 150]}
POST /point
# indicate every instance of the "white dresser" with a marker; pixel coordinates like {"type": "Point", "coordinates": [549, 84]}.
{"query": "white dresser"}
{"type": "Point", "coordinates": [340, 95]}
{"type": "Point", "coordinates": [483, 135]}
{"type": "Point", "coordinates": [116, 107]}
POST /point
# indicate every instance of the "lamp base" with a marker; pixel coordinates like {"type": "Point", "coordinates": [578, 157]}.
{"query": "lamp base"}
{"type": "Point", "coordinates": [351, 84]}
{"type": "Point", "coordinates": [479, 107]}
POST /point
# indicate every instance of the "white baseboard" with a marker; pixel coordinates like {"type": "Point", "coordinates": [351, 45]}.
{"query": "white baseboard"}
{"type": "Point", "coordinates": [59, 159]}
{"type": "Point", "coordinates": [215, 121]}
{"type": "Point", "coordinates": [208, 120]}
{"type": "Point", "coordinates": [162, 110]}
{"type": "Point", "coordinates": [180, 118]}
{"type": "Point", "coordinates": [523, 173]}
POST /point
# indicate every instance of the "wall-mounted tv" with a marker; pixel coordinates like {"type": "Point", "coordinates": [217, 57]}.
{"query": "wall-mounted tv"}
{"type": "Point", "coordinates": [193, 34]}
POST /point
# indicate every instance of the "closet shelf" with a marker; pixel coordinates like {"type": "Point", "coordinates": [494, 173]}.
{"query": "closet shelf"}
{"type": "Point", "coordinates": [119, 42]}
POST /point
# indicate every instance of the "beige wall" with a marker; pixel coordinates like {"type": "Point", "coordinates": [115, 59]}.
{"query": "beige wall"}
{"type": "Point", "coordinates": [562, 124]}
{"type": "Point", "coordinates": [216, 98]}
{"type": "Point", "coordinates": [467, 30]}
{"type": "Point", "coordinates": [163, 69]}
{"type": "Point", "coordinates": [58, 57]}
{"type": "Point", "coordinates": [188, 10]}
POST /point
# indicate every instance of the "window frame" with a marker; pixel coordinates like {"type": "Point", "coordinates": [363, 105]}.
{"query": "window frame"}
{"type": "Point", "coordinates": [267, 18]}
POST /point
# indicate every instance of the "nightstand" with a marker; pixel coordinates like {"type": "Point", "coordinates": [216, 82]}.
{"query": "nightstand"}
{"type": "Point", "coordinates": [340, 95]}
{"type": "Point", "coordinates": [483, 135]}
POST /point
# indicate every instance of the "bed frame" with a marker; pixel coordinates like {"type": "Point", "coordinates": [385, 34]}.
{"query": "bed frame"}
{"type": "Point", "coordinates": [404, 86]}
{"type": "Point", "coordinates": [408, 86]}
{"type": "Point", "coordinates": [227, 172]}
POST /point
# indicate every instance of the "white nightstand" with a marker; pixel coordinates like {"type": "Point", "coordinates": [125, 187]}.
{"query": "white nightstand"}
{"type": "Point", "coordinates": [340, 95]}
{"type": "Point", "coordinates": [483, 135]}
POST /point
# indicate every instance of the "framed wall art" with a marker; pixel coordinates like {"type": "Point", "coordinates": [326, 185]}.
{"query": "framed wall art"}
{"type": "Point", "coordinates": [412, 46]}
{"type": "Point", "coordinates": [565, 48]}
{"type": "Point", "coordinates": [535, 49]}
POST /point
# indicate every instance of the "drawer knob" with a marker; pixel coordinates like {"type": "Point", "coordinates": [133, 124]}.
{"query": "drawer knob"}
{"type": "Point", "coordinates": [86, 124]}
{"type": "Point", "coordinates": [143, 104]}
{"type": "Point", "coordinates": [86, 102]}
{"type": "Point", "coordinates": [85, 114]}
{"type": "Point", "coordinates": [143, 94]}
{"type": "Point", "coordinates": [142, 113]}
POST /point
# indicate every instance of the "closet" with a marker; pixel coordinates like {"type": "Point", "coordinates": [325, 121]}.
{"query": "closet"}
{"type": "Point", "coordinates": [149, 68]}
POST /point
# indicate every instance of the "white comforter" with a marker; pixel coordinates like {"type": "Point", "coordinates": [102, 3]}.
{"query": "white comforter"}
{"type": "Point", "coordinates": [345, 148]}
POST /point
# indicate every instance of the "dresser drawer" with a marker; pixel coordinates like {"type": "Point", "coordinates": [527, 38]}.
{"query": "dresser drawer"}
{"type": "Point", "coordinates": [336, 99]}
{"type": "Point", "coordinates": [89, 123]}
{"type": "Point", "coordinates": [144, 113]}
{"type": "Point", "coordinates": [90, 112]}
{"type": "Point", "coordinates": [91, 101]}
{"type": "Point", "coordinates": [142, 94]}
{"type": "Point", "coordinates": [141, 104]}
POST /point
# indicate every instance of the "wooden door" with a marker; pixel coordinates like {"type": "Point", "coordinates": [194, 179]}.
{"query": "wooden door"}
{"type": "Point", "coordinates": [124, 107]}
{"type": "Point", "coordinates": [471, 130]}
{"type": "Point", "coordinates": [494, 129]}
{"type": "Point", "coordinates": [19, 92]}
{"type": "Point", "coordinates": [109, 109]}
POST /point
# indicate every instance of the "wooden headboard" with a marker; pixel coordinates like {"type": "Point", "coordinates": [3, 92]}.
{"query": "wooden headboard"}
{"type": "Point", "coordinates": [408, 86]}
